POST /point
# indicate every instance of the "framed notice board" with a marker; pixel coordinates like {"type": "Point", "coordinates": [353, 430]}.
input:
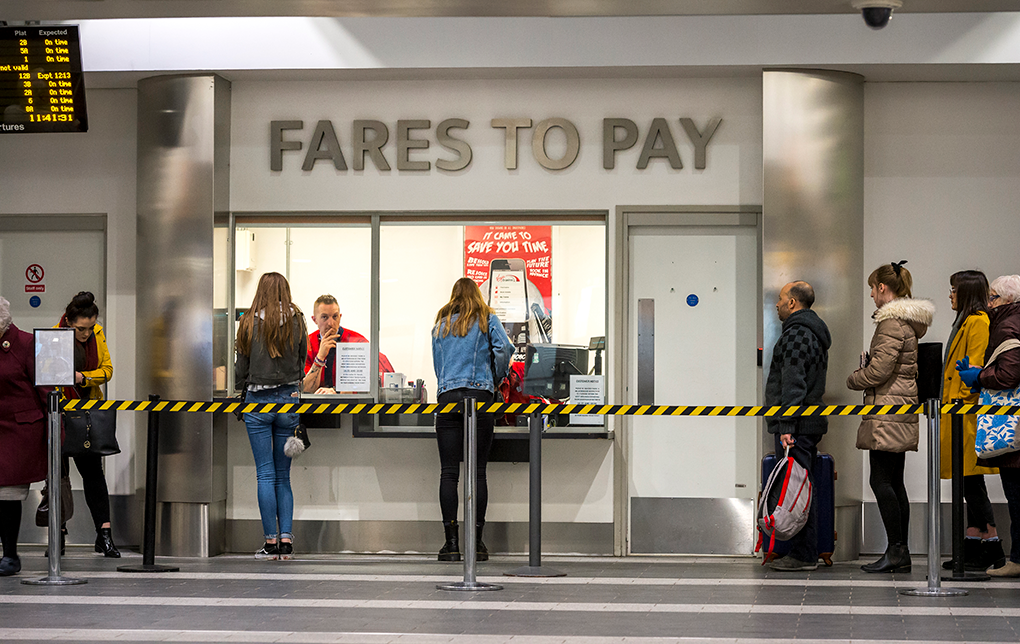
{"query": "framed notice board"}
{"type": "Point", "coordinates": [42, 88]}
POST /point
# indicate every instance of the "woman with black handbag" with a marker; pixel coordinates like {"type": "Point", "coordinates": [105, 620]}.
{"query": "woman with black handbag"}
{"type": "Point", "coordinates": [470, 353]}
{"type": "Point", "coordinates": [92, 369]}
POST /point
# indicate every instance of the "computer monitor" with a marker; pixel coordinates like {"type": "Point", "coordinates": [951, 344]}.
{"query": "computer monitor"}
{"type": "Point", "coordinates": [548, 367]}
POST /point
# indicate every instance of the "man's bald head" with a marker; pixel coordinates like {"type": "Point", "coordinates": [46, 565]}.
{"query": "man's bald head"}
{"type": "Point", "coordinates": [795, 296]}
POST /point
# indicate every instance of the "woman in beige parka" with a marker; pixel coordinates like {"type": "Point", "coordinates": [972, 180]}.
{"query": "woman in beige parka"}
{"type": "Point", "coordinates": [889, 377]}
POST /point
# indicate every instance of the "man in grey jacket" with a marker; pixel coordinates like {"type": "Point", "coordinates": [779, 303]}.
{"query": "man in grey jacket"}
{"type": "Point", "coordinates": [797, 377]}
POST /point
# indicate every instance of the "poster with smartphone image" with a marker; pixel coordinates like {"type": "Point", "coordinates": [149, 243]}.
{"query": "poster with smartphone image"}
{"type": "Point", "coordinates": [512, 266]}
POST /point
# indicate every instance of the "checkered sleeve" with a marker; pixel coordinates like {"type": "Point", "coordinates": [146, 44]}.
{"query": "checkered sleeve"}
{"type": "Point", "coordinates": [798, 350]}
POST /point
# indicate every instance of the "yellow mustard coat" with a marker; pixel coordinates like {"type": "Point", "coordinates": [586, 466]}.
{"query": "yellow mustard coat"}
{"type": "Point", "coordinates": [971, 342]}
{"type": "Point", "coordinates": [95, 379]}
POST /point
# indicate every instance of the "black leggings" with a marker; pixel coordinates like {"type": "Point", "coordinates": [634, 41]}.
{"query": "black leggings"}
{"type": "Point", "coordinates": [10, 525]}
{"type": "Point", "coordinates": [97, 496]}
{"type": "Point", "coordinates": [450, 435]}
{"type": "Point", "coordinates": [979, 508]}
{"type": "Point", "coordinates": [890, 493]}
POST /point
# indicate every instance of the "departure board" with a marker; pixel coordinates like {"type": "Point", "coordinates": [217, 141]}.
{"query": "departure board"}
{"type": "Point", "coordinates": [42, 88]}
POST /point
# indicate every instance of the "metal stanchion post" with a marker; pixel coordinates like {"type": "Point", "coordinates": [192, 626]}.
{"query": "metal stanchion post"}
{"type": "Point", "coordinates": [535, 567]}
{"type": "Point", "coordinates": [470, 473]}
{"type": "Point", "coordinates": [53, 485]}
{"type": "Point", "coordinates": [934, 589]}
{"type": "Point", "coordinates": [959, 573]}
{"type": "Point", "coordinates": [151, 476]}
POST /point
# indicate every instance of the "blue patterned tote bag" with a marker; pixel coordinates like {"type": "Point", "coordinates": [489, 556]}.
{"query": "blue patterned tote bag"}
{"type": "Point", "coordinates": [997, 435]}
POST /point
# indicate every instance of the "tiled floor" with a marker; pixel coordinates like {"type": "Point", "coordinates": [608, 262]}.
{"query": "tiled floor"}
{"type": "Point", "coordinates": [640, 600]}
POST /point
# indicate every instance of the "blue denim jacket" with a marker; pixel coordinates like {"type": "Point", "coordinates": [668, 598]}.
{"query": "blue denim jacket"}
{"type": "Point", "coordinates": [464, 362]}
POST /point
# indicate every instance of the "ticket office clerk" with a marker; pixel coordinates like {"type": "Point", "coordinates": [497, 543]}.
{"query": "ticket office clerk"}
{"type": "Point", "coordinates": [320, 362]}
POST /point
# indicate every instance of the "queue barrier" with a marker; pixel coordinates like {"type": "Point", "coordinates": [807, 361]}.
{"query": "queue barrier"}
{"type": "Point", "coordinates": [932, 409]}
{"type": "Point", "coordinates": [370, 409]}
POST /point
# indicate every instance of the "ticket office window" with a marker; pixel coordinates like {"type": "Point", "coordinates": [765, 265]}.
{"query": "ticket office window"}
{"type": "Point", "coordinates": [554, 317]}
{"type": "Point", "coordinates": [316, 260]}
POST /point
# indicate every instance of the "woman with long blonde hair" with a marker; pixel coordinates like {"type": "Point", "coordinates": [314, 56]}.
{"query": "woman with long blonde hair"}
{"type": "Point", "coordinates": [470, 353]}
{"type": "Point", "coordinates": [271, 346]}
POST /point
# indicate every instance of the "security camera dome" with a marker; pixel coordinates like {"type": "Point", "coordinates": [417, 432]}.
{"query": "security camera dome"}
{"type": "Point", "coordinates": [876, 13]}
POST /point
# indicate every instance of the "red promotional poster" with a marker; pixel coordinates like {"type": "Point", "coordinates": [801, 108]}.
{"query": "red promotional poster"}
{"type": "Point", "coordinates": [512, 266]}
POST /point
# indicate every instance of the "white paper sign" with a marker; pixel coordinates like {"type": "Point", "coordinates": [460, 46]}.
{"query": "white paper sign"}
{"type": "Point", "coordinates": [353, 367]}
{"type": "Point", "coordinates": [587, 390]}
{"type": "Point", "coordinates": [54, 357]}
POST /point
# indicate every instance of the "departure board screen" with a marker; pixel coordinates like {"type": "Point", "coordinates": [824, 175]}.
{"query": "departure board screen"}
{"type": "Point", "coordinates": [42, 88]}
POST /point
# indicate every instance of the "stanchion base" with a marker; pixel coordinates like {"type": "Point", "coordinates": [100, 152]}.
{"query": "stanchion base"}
{"type": "Point", "coordinates": [968, 575]}
{"type": "Point", "coordinates": [534, 571]}
{"type": "Point", "coordinates": [935, 592]}
{"type": "Point", "coordinates": [148, 568]}
{"type": "Point", "coordinates": [55, 581]}
{"type": "Point", "coordinates": [469, 585]}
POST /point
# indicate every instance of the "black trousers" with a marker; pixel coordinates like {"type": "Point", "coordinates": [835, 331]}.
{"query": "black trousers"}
{"type": "Point", "coordinates": [10, 525]}
{"type": "Point", "coordinates": [979, 508]}
{"type": "Point", "coordinates": [891, 493]}
{"type": "Point", "coordinates": [804, 544]}
{"type": "Point", "coordinates": [1011, 488]}
{"type": "Point", "coordinates": [97, 495]}
{"type": "Point", "coordinates": [450, 435]}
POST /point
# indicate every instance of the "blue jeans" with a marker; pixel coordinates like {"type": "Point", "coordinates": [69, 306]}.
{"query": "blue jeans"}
{"type": "Point", "coordinates": [268, 434]}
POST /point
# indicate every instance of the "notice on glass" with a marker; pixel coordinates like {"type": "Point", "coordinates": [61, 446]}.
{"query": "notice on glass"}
{"type": "Point", "coordinates": [587, 390]}
{"type": "Point", "coordinates": [353, 367]}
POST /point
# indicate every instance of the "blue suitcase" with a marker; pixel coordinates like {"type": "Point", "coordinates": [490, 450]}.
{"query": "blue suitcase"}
{"type": "Point", "coordinates": [824, 490]}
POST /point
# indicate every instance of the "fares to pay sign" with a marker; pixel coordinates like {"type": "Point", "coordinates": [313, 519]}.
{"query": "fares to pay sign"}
{"type": "Point", "coordinates": [512, 265]}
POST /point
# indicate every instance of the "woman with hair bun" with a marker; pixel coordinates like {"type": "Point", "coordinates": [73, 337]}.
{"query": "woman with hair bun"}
{"type": "Point", "coordinates": [92, 369]}
{"type": "Point", "coordinates": [888, 376]}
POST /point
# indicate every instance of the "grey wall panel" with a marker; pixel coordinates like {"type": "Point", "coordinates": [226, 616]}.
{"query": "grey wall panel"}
{"type": "Point", "coordinates": [692, 526]}
{"type": "Point", "coordinates": [813, 228]}
{"type": "Point", "coordinates": [183, 156]}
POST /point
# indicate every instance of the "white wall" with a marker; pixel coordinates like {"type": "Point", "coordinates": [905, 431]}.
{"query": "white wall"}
{"type": "Point", "coordinates": [941, 189]}
{"type": "Point", "coordinates": [93, 172]}
{"type": "Point", "coordinates": [378, 478]}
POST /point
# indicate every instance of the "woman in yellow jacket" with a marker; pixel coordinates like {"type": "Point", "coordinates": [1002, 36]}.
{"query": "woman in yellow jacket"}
{"type": "Point", "coordinates": [93, 368]}
{"type": "Point", "coordinates": [968, 293]}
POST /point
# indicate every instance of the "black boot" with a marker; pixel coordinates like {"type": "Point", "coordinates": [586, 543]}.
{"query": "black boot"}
{"type": "Point", "coordinates": [481, 553]}
{"type": "Point", "coordinates": [105, 545]}
{"type": "Point", "coordinates": [63, 542]}
{"type": "Point", "coordinates": [992, 555]}
{"type": "Point", "coordinates": [895, 559]}
{"type": "Point", "coordinates": [451, 549]}
{"type": "Point", "coordinates": [972, 555]}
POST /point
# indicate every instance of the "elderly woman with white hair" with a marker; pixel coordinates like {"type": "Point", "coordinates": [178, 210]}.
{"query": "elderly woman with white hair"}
{"type": "Point", "coordinates": [22, 432]}
{"type": "Point", "coordinates": [1004, 373]}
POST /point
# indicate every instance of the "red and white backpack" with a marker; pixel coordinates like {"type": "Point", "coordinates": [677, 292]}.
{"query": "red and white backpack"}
{"type": "Point", "coordinates": [784, 504]}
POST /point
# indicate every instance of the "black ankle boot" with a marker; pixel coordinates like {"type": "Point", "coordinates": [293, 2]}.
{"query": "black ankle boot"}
{"type": "Point", "coordinates": [481, 553]}
{"type": "Point", "coordinates": [451, 549]}
{"type": "Point", "coordinates": [992, 555]}
{"type": "Point", "coordinates": [895, 559]}
{"type": "Point", "coordinates": [105, 545]}
{"type": "Point", "coordinates": [972, 555]}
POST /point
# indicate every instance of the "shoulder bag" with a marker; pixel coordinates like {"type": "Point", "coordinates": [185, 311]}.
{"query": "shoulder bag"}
{"type": "Point", "coordinates": [90, 431]}
{"type": "Point", "coordinates": [997, 435]}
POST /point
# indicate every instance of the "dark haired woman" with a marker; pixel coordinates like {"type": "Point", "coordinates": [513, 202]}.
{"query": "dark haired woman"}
{"type": "Point", "coordinates": [271, 346]}
{"type": "Point", "coordinates": [968, 294]}
{"type": "Point", "coordinates": [889, 377]}
{"type": "Point", "coordinates": [468, 343]}
{"type": "Point", "coordinates": [92, 369]}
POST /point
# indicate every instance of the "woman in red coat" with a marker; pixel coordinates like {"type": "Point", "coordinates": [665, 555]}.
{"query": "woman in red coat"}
{"type": "Point", "coordinates": [22, 432]}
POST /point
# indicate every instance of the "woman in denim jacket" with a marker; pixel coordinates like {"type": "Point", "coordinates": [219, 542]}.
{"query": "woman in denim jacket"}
{"type": "Point", "coordinates": [271, 345]}
{"type": "Point", "coordinates": [468, 344]}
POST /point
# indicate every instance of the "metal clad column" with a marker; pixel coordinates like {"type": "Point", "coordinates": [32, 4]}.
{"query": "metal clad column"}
{"type": "Point", "coordinates": [183, 180]}
{"type": "Point", "coordinates": [813, 229]}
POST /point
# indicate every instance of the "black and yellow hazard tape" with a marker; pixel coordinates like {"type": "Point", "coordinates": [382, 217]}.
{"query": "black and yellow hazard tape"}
{"type": "Point", "coordinates": [370, 409]}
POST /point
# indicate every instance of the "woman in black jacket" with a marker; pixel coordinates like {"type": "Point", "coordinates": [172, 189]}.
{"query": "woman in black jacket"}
{"type": "Point", "coordinates": [271, 346]}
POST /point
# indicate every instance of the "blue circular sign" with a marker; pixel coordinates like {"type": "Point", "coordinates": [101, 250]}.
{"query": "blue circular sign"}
{"type": "Point", "coordinates": [692, 300]}
{"type": "Point", "coordinates": [35, 301]}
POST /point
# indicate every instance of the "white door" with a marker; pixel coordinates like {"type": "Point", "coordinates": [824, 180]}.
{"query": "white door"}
{"type": "Point", "coordinates": [705, 285]}
{"type": "Point", "coordinates": [41, 270]}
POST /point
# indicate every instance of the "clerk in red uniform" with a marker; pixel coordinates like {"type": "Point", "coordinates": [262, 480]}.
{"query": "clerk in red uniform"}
{"type": "Point", "coordinates": [320, 363]}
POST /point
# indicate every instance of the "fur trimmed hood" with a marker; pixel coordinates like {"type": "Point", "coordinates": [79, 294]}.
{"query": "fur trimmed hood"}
{"type": "Point", "coordinates": [915, 312]}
